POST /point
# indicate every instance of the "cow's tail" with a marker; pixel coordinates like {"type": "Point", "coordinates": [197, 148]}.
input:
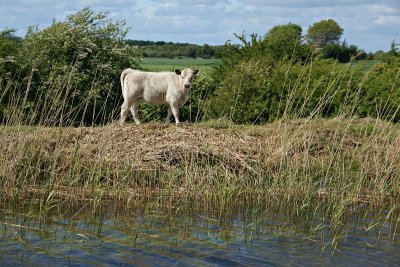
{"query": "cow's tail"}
{"type": "Point", "coordinates": [123, 74]}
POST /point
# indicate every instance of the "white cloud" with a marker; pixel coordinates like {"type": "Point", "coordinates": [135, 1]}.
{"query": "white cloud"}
{"type": "Point", "coordinates": [367, 23]}
{"type": "Point", "coordinates": [303, 3]}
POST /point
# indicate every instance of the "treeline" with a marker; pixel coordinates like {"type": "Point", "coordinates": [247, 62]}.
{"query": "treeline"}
{"type": "Point", "coordinates": [343, 52]}
{"type": "Point", "coordinates": [163, 49]}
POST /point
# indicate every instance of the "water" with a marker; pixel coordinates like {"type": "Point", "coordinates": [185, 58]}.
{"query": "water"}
{"type": "Point", "coordinates": [150, 236]}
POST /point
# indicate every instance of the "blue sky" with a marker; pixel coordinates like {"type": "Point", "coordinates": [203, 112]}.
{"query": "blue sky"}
{"type": "Point", "coordinates": [369, 24]}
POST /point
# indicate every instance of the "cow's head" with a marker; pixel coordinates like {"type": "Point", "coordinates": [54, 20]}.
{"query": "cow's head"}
{"type": "Point", "coordinates": [187, 75]}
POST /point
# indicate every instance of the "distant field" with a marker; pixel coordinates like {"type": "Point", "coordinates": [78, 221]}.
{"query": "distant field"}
{"type": "Point", "coordinates": [364, 65]}
{"type": "Point", "coordinates": [169, 64]}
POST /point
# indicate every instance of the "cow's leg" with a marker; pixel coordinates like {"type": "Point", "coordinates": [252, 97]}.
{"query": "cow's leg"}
{"type": "Point", "coordinates": [124, 111]}
{"type": "Point", "coordinates": [175, 111]}
{"type": "Point", "coordinates": [135, 112]}
{"type": "Point", "coordinates": [168, 119]}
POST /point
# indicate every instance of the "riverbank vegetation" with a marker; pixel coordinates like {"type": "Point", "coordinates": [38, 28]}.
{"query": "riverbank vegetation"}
{"type": "Point", "coordinates": [350, 159]}
{"type": "Point", "coordinates": [323, 174]}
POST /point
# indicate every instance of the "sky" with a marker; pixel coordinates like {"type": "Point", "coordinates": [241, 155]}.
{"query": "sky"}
{"type": "Point", "coordinates": [370, 24]}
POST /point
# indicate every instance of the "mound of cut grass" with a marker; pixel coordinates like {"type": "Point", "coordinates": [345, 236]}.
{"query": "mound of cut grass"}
{"type": "Point", "coordinates": [356, 160]}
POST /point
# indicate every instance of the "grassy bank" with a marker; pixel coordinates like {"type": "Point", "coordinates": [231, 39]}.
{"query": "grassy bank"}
{"type": "Point", "coordinates": [356, 160]}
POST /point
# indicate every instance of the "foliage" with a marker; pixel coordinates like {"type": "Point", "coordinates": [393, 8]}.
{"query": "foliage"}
{"type": "Point", "coordinates": [9, 46]}
{"type": "Point", "coordinates": [393, 54]}
{"type": "Point", "coordinates": [323, 37]}
{"type": "Point", "coordinates": [9, 69]}
{"type": "Point", "coordinates": [259, 91]}
{"type": "Point", "coordinates": [394, 50]}
{"type": "Point", "coordinates": [381, 92]}
{"type": "Point", "coordinates": [280, 43]}
{"type": "Point", "coordinates": [253, 86]}
{"type": "Point", "coordinates": [74, 65]}
{"type": "Point", "coordinates": [324, 32]}
{"type": "Point", "coordinates": [342, 52]}
{"type": "Point", "coordinates": [284, 41]}
{"type": "Point", "coordinates": [8, 43]}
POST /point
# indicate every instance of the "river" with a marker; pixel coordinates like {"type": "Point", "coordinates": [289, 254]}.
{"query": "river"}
{"type": "Point", "coordinates": [161, 237]}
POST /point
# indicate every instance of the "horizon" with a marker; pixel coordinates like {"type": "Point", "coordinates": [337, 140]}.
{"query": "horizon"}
{"type": "Point", "coordinates": [370, 25]}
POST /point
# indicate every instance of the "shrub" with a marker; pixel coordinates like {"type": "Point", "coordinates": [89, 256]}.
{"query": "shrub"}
{"type": "Point", "coordinates": [253, 86]}
{"type": "Point", "coordinates": [381, 92]}
{"type": "Point", "coordinates": [71, 69]}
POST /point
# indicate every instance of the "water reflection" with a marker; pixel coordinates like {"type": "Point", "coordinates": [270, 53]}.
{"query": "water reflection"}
{"type": "Point", "coordinates": [150, 235]}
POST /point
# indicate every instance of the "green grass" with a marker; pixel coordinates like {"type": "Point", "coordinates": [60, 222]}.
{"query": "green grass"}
{"type": "Point", "coordinates": [169, 64]}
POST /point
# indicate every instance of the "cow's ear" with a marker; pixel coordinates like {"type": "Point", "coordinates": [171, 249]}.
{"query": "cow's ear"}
{"type": "Point", "coordinates": [178, 72]}
{"type": "Point", "coordinates": [196, 72]}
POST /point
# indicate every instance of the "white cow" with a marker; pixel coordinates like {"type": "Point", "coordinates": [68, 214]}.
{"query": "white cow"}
{"type": "Point", "coordinates": [155, 88]}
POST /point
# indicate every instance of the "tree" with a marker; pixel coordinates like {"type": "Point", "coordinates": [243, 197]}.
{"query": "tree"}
{"type": "Point", "coordinates": [207, 51]}
{"type": "Point", "coordinates": [192, 52]}
{"type": "Point", "coordinates": [324, 32]}
{"type": "Point", "coordinates": [393, 55]}
{"type": "Point", "coordinates": [284, 41]}
{"type": "Point", "coordinates": [343, 53]}
{"type": "Point", "coordinates": [394, 50]}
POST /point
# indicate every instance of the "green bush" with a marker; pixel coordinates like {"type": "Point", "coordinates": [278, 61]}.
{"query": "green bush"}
{"type": "Point", "coordinates": [255, 86]}
{"type": "Point", "coordinates": [70, 70]}
{"type": "Point", "coordinates": [258, 91]}
{"type": "Point", "coordinates": [381, 92]}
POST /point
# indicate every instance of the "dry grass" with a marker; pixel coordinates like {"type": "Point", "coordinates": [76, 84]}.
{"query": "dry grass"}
{"type": "Point", "coordinates": [338, 158]}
